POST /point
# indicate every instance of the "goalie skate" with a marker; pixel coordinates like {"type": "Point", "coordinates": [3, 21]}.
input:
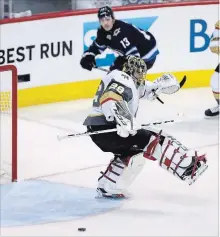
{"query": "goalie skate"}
{"type": "Point", "coordinates": [200, 169]}
{"type": "Point", "coordinates": [103, 194]}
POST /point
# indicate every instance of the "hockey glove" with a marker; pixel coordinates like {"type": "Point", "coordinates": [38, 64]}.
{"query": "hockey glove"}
{"type": "Point", "coordinates": [166, 84]}
{"type": "Point", "coordinates": [118, 63]}
{"type": "Point", "coordinates": [126, 130]}
{"type": "Point", "coordinates": [88, 61]}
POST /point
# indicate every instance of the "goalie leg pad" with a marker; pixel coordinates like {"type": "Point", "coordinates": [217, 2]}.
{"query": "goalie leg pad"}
{"type": "Point", "coordinates": [183, 163]}
{"type": "Point", "coordinates": [119, 175]}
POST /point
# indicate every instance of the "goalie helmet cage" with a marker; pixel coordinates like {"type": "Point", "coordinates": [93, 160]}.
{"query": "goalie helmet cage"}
{"type": "Point", "coordinates": [12, 105]}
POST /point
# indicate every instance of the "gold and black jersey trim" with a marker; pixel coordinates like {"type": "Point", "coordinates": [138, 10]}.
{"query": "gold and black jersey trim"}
{"type": "Point", "coordinates": [110, 95]}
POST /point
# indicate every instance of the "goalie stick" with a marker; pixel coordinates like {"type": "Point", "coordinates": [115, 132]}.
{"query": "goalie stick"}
{"type": "Point", "coordinates": [61, 137]}
{"type": "Point", "coordinates": [163, 122]}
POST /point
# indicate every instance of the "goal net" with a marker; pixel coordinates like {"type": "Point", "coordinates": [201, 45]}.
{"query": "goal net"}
{"type": "Point", "coordinates": [8, 123]}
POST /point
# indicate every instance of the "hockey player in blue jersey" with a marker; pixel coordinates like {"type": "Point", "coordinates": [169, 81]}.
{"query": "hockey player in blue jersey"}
{"type": "Point", "coordinates": [121, 37]}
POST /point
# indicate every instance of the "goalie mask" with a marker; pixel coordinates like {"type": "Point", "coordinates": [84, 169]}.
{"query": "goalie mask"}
{"type": "Point", "coordinates": [136, 68]}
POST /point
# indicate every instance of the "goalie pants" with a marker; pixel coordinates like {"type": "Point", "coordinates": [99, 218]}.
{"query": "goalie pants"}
{"type": "Point", "coordinates": [122, 147]}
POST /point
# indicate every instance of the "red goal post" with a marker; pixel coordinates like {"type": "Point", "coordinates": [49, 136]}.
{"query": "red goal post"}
{"type": "Point", "coordinates": [8, 111]}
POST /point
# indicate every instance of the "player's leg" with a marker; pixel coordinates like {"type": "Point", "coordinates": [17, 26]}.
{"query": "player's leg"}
{"type": "Point", "coordinates": [131, 154]}
{"type": "Point", "coordinates": [186, 164]}
{"type": "Point", "coordinates": [120, 174]}
{"type": "Point", "coordinates": [127, 163]}
{"type": "Point", "coordinates": [213, 112]}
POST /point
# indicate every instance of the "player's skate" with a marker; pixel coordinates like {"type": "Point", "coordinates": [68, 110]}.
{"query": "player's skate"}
{"type": "Point", "coordinates": [213, 112]}
{"type": "Point", "coordinates": [197, 168]}
{"type": "Point", "coordinates": [102, 193]}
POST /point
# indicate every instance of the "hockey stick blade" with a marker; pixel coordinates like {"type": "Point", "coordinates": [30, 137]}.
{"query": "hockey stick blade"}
{"type": "Point", "coordinates": [160, 100]}
{"type": "Point", "coordinates": [182, 82]}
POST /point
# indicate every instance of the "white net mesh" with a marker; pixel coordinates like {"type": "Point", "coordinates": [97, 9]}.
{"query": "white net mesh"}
{"type": "Point", "coordinates": [6, 79]}
{"type": "Point", "coordinates": [5, 98]}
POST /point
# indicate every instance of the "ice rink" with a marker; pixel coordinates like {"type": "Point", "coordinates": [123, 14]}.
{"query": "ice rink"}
{"type": "Point", "coordinates": [60, 197]}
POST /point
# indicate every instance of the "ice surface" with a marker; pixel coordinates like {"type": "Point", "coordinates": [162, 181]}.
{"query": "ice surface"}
{"type": "Point", "coordinates": [160, 204]}
{"type": "Point", "coordinates": [39, 202]}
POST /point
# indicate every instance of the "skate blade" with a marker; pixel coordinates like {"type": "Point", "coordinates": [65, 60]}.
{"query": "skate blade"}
{"type": "Point", "coordinates": [202, 169]}
{"type": "Point", "coordinates": [101, 195]}
{"type": "Point", "coordinates": [110, 197]}
{"type": "Point", "coordinates": [211, 117]}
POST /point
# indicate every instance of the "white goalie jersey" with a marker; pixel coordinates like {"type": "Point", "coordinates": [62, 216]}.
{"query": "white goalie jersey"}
{"type": "Point", "coordinates": [119, 86]}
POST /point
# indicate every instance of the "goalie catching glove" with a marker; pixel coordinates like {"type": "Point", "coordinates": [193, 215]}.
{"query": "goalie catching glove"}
{"type": "Point", "coordinates": [166, 84]}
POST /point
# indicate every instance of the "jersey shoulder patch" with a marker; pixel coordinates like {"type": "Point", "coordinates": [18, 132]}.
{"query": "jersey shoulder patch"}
{"type": "Point", "coordinates": [122, 78]}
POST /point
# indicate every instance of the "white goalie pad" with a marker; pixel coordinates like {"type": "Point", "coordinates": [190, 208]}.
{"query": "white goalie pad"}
{"type": "Point", "coordinates": [172, 156]}
{"type": "Point", "coordinates": [120, 175]}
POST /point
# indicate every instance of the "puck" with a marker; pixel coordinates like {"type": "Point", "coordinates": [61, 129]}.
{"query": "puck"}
{"type": "Point", "coordinates": [81, 229]}
{"type": "Point", "coordinates": [181, 114]}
